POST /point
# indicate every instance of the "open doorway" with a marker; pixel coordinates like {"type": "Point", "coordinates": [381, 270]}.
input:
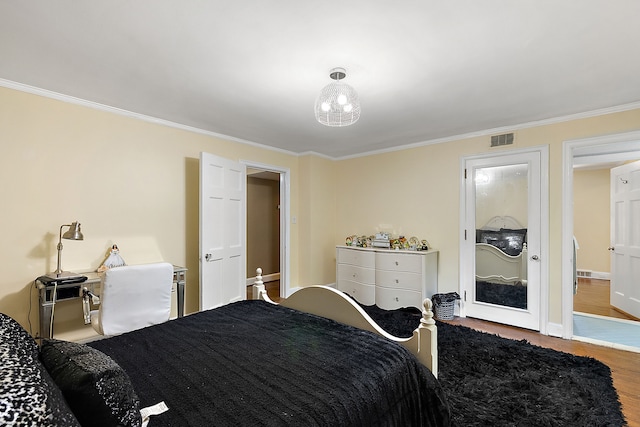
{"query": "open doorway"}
{"type": "Point", "coordinates": [268, 227]}
{"type": "Point", "coordinates": [581, 156]}
{"type": "Point", "coordinates": [592, 231]}
{"type": "Point", "coordinates": [263, 228]}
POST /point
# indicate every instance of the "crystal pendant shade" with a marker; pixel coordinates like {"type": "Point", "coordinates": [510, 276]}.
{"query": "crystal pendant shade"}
{"type": "Point", "coordinates": [338, 104]}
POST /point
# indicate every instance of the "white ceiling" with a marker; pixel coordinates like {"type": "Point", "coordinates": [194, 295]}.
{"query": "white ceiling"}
{"type": "Point", "coordinates": [425, 70]}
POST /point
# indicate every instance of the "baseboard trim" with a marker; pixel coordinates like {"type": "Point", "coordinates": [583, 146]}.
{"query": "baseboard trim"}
{"type": "Point", "coordinates": [555, 329]}
{"type": "Point", "coordinates": [265, 278]}
{"type": "Point", "coordinates": [590, 274]}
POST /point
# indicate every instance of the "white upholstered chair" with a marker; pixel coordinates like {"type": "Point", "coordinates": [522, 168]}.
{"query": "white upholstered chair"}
{"type": "Point", "coordinates": [133, 297]}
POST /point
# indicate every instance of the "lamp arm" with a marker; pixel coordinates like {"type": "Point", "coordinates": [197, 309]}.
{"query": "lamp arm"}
{"type": "Point", "coordinates": [59, 266]}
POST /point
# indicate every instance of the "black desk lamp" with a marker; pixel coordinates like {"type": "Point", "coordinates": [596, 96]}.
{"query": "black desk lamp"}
{"type": "Point", "coordinates": [73, 233]}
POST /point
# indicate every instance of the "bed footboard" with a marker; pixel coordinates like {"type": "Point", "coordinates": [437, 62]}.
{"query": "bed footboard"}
{"type": "Point", "coordinates": [333, 304]}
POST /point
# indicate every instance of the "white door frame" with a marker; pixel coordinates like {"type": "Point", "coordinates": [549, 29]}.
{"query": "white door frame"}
{"type": "Point", "coordinates": [468, 251]}
{"type": "Point", "coordinates": [609, 147]}
{"type": "Point", "coordinates": [285, 214]}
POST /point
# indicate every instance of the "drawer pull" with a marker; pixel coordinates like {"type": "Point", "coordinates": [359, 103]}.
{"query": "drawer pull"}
{"type": "Point", "coordinates": [397, 281]}
{"type": "Point", "coordinates": [397, 299]}
{"type": "Point", "coordinates": [397, 263]}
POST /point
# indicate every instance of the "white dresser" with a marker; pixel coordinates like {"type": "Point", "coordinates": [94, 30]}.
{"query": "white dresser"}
{"type": "Point", "coordinates": [387, 278]}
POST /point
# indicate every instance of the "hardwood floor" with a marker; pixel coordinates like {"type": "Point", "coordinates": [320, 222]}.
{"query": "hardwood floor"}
{"type": "Point", "coordinates": [273, 290]}
{"type": "Point", "coordinates": [593, 298]}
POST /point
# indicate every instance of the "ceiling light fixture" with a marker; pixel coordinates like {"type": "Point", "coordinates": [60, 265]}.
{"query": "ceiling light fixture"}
{"type": "Point", "coordinates": [338, 104]}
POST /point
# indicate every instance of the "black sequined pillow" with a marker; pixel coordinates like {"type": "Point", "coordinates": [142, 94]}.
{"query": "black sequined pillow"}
{"type": "Point", "coordinates": [98, 391]}
{"type": "Point", "coordinates": [28, 395]}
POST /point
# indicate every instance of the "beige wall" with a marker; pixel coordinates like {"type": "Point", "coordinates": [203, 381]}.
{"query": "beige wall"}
{"type": "Point", "coordinates": [317, 220]}
{"type": "Point", "coordinates": [591, 219]}
{"type": "Point", "coordinates": [128, 181]}
{"type": "Point", "coordinates": [417, 192]}
{"type": "Point", "coordinates": [135, 183]}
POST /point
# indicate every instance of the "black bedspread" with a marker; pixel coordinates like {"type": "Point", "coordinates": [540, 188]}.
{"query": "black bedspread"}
{"type": "Point", "coordinates": [255, 364]}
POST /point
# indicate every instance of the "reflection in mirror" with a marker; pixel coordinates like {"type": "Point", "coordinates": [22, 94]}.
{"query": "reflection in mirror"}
{"type": "Point", "coordinates": [501, 235]}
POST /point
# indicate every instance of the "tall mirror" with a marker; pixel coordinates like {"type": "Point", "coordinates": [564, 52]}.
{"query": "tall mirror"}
{"type": "Point", "coordinates": [501, 235]}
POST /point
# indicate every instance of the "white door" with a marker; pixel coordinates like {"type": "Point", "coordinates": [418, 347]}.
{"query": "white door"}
{"type": "Point", "coordinates": [625, 238]}
{"type": "Point", "coordinates": [223, 185]}
{"type": "Point", "coordinates": [502, 185]}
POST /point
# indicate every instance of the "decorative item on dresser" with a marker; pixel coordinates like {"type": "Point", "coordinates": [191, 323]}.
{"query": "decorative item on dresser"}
{"type": "Point", "coordinates": [387, 278]}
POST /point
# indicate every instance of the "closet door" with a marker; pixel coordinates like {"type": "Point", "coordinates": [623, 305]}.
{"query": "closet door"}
{"type": "Point", "coordinates": [498, 285]}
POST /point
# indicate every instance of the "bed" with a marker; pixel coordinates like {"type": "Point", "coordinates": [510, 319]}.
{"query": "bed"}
{"type": "Point", "coordinates": [501, 252]}
{"type": "Point", "coordinates": [247, 363]}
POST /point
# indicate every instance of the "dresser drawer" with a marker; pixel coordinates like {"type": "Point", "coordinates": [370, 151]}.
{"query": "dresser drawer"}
{"type": "Point", "coordinates": [399, 262]}
{"type": "Point", "coordinates": [391, 299]}
{"type": "Point", "coordinates": [366, 276]}
{"type": "Point", "coordinates": [390, 279]}
{"type": "Point", "coordinates": [364, 294]}
{"type": "Point", "coordinates": [356, 257]}
{"type": "Point", "coordinates": [399, 280]}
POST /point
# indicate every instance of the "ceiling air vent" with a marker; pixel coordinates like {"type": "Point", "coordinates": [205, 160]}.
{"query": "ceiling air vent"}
{"type": "Point", "coordinates": [504, 139]}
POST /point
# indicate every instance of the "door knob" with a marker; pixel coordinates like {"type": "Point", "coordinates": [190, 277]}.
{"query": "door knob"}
{"type": "Point", "coordinates": [535, 257]}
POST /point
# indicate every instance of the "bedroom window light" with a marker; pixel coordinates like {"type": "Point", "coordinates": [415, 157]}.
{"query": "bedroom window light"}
{"type": "Point", "coordinates": [338, 104]}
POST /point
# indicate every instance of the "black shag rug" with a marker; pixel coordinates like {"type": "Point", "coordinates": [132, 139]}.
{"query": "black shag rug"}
{"type": "Point", "coordinates": [494, 381]}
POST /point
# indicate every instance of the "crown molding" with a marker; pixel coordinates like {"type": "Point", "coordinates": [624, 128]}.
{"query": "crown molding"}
{"type": "Point", "coordinates": [504, 129]}
{"type": "Point", "coordinates": [109, 109]}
